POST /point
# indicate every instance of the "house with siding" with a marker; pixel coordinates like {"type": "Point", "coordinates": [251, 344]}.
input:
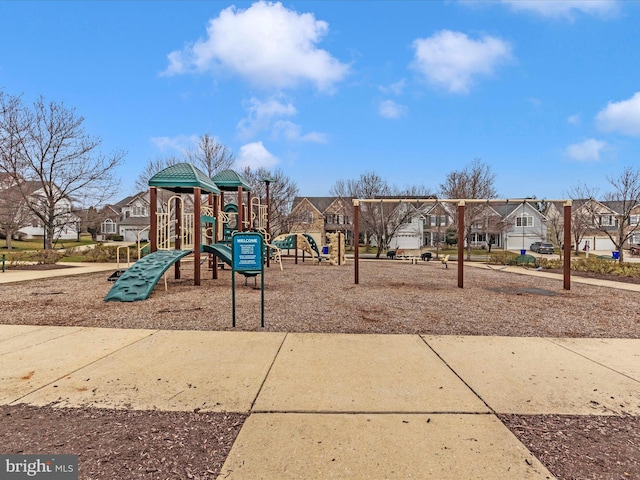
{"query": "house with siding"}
{"type": "Point", "coordinates": [127, 218]}
{"type": "Point", "coordinates": [66, 221]}
{"type": "Point", "coordinates": [510, 226]}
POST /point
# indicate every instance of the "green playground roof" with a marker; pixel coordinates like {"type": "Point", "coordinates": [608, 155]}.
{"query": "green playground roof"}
{"type": "Point", "coordinates": [228, 180]}
{"type": "Point", "coordinates": [183, 178]}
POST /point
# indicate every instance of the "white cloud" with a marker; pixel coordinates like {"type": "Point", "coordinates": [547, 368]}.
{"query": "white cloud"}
{"type": "Point", "coordinates": [261, 115]}
{"type": "Point", "coordinates": [574, 119]}
{"type": "Point", "coordinates": [255, 155]}
{"type": "Point", "coordinates": [587, 151]}
{"type": "Point", "coordinates": [564, 8]}
{"type": "Point", "coordinates": [395, 88]}
{"type": "Point", "coordinates": [267, 44]}
{"type": "Point", "coordinates": [293, 132]}
{"type": "Point", "coordinates": [622, 117]}
{"type": "Point", "coordinates": [453, 60]}
{"type": "Point", "coordinates": [391, 109]}
{"type": "Point", "coordinates": [179, 144]}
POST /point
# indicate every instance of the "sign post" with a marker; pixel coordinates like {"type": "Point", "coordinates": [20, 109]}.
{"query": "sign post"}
{"type": "Point", "coordinates": [247, 250]}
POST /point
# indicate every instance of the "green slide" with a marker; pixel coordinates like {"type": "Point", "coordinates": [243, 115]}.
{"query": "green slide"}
{"type": "Point", "coordinates": [313, 244]}
{"type": "Point", "coordinates": [138, 281]}
{"type": "Point", "coordinates": [223, 252]}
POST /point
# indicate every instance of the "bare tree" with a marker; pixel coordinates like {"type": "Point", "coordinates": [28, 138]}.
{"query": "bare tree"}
{"type": "Point", "coordinates": [211, 156]}
{"type": "Point", "coordinates": [476, 181]}
{"type": "Point", "coordinates": [152, 167]}
{"type": "Point", "coordinates": [554, 212]}
{"type": "Point", "coordinates": [622, 198]}
{"type": "Point", "coordinates": [55, 162]}
{"type": "Point", "coordinates": [282, 191]}
{"type": "Point", "coordinates": [380, 221]}
{"type": "Point", "coordinates": [14, 213]}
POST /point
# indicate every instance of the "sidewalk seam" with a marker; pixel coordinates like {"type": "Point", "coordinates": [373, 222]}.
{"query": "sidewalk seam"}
{"type": "Point", "coordinates": [592, 360]}
{"type": "Point", "coordinates": [491, 410]}
{"type": "Point", "coordinates": [264, 380]}
{"type": "Point", "coordinates": [84, 366]}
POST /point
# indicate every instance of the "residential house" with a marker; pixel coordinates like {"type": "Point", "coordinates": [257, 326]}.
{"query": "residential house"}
{"type": "Point", "coordinates": [521, 225]}
{"type": "Point", "coordinates": [510, 226]}
{"type": "Point", "coordinates": [129, 218]}
{"type": "Point", "coordinates": [30, 225]}
{"type": "Point", "coordinates": [317, 216]}
{"type": "Point", "coordinates": [589, 218]}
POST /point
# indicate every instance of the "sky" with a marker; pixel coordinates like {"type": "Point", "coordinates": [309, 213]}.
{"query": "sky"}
{"type": "Point", "coordinates": [545, 92]}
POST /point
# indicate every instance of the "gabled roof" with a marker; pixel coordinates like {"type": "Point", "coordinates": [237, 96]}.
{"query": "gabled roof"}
{"type": "Point", "coordinates": [506, 210]}
{"type": "Point", "coordinates": [320, 203]}
{"type": "Point", "coordinates": [128, 200]}
{"type": "Point", "coordinates": [298, 201]}
{"type": "Point", "coordinates": [183, 178]}
{"type": "Point", "coordinates": [228, 180]}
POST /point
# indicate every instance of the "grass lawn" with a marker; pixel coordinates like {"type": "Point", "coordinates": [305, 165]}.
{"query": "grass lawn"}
{"type": "Point", "coordinates": [36, 244]}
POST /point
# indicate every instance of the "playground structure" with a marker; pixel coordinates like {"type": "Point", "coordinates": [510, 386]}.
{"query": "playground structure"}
{"type": "Point", "coordinates": [179, 230]}
{"type": "Point", "coordinates": [331, 254]}
{"type": "Point", "coordinates": [461, 203]}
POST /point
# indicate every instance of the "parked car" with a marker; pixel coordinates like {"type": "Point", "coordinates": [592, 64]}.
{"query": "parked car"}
{"type": "Point", "coordinates": [541, 247]}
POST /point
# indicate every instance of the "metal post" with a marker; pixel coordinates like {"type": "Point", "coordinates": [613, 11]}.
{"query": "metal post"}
{"type": "Point", "coordinates": [461, 244]}
{"type": "Point", "coordinates": [567, 246]}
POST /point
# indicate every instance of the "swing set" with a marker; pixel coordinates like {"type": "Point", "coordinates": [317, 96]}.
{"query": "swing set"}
{"type": "Point", "coordinates": [461, 204]}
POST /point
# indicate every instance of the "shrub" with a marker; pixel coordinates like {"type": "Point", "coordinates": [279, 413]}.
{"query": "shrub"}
{"type": "Point", "coordinates": [46, 257]}
{"type": "Point", "coordinates": [596, 265]}
{"type": "Point", "coordinates": [501, 257]}
{"type": "Point", "coordinates": [102, 253]}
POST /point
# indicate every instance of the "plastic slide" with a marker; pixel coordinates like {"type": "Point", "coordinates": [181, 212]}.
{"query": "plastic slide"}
{"type": "Point", "coordinates": [138, 281]}
{"type": "Point", "coordinates": [305, 242]}
{"type": "Point", "coordinates": [223, 252]}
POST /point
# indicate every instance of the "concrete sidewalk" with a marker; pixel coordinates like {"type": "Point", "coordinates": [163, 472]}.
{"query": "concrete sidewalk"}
{"type": "Point", "coordinates": [334, 406]}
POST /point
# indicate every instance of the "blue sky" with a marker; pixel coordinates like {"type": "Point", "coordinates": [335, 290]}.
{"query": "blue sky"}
{"type": "Point", "coordinates": [545, 92]}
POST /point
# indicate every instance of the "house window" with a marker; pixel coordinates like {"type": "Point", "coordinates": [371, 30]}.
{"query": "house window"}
{"type": "Point", "coordinates": [108, 226]}
{"type": "Point", "coordinates": [608, 221]}
{"type": "Point", "coordinates": [139, 212]}
{"type": "Point", "coordinates": [524, 221]}
{"type": "Point", "coordinates": [306, 217]}
{"type": "Point", "coordinates": [435, 220]}
{"type": "Point", "coordinates": [634, 220]}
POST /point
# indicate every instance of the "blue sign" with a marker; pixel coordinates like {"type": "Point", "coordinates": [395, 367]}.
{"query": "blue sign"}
{"type": "Point", "coordinates": [247, 251]}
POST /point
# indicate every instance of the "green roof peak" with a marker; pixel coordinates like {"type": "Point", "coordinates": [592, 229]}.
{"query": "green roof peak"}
{"type": "Point", "coordinates": [183, 178]}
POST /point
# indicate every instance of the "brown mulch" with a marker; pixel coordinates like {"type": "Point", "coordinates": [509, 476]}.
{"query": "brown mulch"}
{"type": "Point", "coordinates": [393, 297]}
{"type": "Point", "coordinates": [580, 448]}
{"type": "Point", "coordinates": [124, 444]}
